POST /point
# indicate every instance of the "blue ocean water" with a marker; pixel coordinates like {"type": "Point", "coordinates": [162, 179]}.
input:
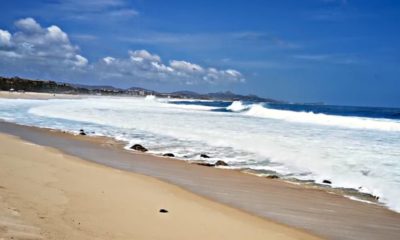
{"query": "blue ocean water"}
{"type": "Point", "coordinates": [352, 111]}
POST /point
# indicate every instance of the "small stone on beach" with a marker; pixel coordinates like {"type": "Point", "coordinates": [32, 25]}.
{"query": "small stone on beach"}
{"type": "Point", "coordinates": [162, 210]}
{"type": "Point", "coordinates": [326, 181]}
{"type": "Point", "coordinates": [205, 164]}
{"type": "Point", "coordinates": [221, 163]}
{"type": "Point", "coordinates": [139, 147]}
{"type": "Point", "coordinates": [168, 155]}
{"type": "Point", "coordinates": [204, 155]}
{"type": "Point", "coordinates": [272, 176]}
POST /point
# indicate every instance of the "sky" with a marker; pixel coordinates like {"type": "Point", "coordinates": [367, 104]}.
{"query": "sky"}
{"type": "Point", "coordinates": [340, 52]}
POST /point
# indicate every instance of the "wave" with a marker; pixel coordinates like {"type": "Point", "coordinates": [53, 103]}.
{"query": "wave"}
{"type": "Point", "coordinates": [259, 110]}
{"type": "Point", "coordinates": [150, 98]}
{"type": "Point", "coordinates": [241, 137]}
{"type": "Point", "coordinates": [237, 106]}
{"type": "Point", "coordinates": [190, 107]}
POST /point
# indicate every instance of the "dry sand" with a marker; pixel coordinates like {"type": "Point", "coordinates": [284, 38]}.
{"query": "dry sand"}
{"type": "Point", "coordinates": [45, 194]}
{"type": "Point", "coordinates": [35, 95]}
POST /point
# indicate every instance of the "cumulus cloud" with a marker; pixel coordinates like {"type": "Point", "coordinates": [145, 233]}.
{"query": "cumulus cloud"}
{"type": "Point", "coordinates": [28, 25]}
{"type": "Point", "coordinates": [186, 66]}
{"type": "Point", "coordinates": [143, 55]}
{"type": "Point", "coordinates": [143, 65]}
{"type": "Point", "coordinates": [80, 61]}
{"type": "Point", "coordinates": [108, 60]}
{"type": "Point", "coordinates": [5, 39]}
{"type": "Point", "coordinates": [47, 49]}
{"type": "Point", "coordinates": [34, 45]}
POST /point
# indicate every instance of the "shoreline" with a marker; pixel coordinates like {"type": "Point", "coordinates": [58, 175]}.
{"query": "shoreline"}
{"type": "Point", "coordinates": [308, 212]}
{"type": "Point", "coordinates": [37, 95]}
{"type": "Point", "coordinates": [57, 199]}
{"type": "Point", "coordinates": [351, 193]}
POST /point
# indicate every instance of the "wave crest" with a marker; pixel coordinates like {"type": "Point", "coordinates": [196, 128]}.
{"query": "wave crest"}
{"type": "Point", "coordinates": [258, 110]}
{"type": "Point", "coordinates": [150, 98]}
{"type": "Point", "coordinates": [237, 106]}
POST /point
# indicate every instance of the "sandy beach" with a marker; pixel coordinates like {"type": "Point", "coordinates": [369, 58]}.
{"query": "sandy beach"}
{"type": "Point", "coordinates": [36, 95]}
{"type": "Point", "coordinates": [45, 194]}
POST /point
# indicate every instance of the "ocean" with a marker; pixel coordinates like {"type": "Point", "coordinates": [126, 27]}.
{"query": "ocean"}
{"type": "Point", "coordinates": [352, 147]}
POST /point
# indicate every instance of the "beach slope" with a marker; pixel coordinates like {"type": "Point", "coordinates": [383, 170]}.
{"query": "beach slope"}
{"type": "Point", "coordinates": [45, 194]}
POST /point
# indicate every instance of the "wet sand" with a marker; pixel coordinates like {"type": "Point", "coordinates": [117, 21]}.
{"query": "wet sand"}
{"type": "Point", "coordinates": [325, 214]}
{"type": "Point", "coordinates": [45, 194]}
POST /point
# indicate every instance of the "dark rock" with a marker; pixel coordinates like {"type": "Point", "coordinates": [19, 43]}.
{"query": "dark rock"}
{"type": "Point", "coordinates": [205, 164]}
{"type": "Point", "coordinates": [139, 147]}
{"type": "Point", "coordinates": [365, 172]}
{"type": "Point", "coordinates": [326, 181]}
{"type": "Point", "coordinates": [82, 132]}
{"type": "Point", "coordinates": [204, 155]}
{"type": "Point", "coordinates": [221, 163]}
{"type": "Point", "coordinates": [272, 176]}
{"type": "Point", "coordinates": [168, 155]}
{"type": "Point", "coordinates": [162, 210]}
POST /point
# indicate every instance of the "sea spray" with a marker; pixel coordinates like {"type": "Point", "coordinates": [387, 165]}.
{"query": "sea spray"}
{"type": "Point", "coordinates": [237, 106]}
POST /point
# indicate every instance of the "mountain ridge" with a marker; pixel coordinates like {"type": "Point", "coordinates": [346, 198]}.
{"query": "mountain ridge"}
{"type": "Point", "coordinates": [22, 84]}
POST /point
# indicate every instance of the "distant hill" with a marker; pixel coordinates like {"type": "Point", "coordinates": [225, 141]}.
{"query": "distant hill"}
{"type": "Point", "coordinates": [20, 84]}
{"type": "Point", "coordinates": [232, 96]}
{"type": "Point", "coordinates": [228, 96]}
{"type": "Point", "coordinates": [186, 93]}
{"type": "Point", "coordinates": [91, 87]}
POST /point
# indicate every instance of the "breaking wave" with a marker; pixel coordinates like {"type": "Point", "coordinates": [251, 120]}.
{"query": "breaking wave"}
{"type": "Point", "coordinates": [259, 110]}
{"type": "Point", "coordinates": [237, 106]}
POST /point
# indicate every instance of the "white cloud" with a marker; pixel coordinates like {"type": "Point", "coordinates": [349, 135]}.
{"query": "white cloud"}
{"type": "Point", "coordinates": [80, 61]}
{"type": "Point", "coordinates": [161, 67]}
{"type": "Point", "coordinates": [49, 49]}
{"type": "Point", "coordinates": [330, 58]}
{"type": "Point", "coordinates": [89, 10]}
{"type": "Point", "coordinates": [36, 45]}
{"type": "Point", "coordinates": [5, 39]}
{"type": "Point", "coordinates": [233, 73]}
{"type": "Point", "coordinates": [186, 66]}
{"type": "Point", "coordinates": [108, 60]}
{"type": "Point", "coordinates": [214, 75]}
{"type": "Point", "coordinates": [145, 66]}
{"type": "Point", "coordinates": [143, 55]}
{"type": "Point", "coordinates": [28, 25]}
{"type": "Point", "coordinates": [55, 34]}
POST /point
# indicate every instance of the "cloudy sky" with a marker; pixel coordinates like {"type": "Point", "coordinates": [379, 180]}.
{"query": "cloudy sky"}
{"type": "Point", "coordinates": [334, 51]}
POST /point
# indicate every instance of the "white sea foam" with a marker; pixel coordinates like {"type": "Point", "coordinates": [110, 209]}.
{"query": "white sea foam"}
{"type": "Point", "coordinates": [258, 110]}
{"type": "Point", "coordinates": [150, 98]}
{"type": "Point", "coordinates": [237, 106]}
{"type": "Point", "coordinates": [348, 151]}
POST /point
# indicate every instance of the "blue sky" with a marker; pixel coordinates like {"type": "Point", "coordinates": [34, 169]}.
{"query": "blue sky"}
{"type": "Point", "coordinates": [335, 51]}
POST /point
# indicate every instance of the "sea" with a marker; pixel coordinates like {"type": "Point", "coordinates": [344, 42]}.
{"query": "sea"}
{"type": "Point", "coordinates": [340, 147]}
